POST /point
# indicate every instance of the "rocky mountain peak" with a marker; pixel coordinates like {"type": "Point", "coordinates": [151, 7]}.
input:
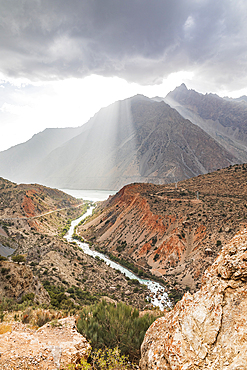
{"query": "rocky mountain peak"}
{"type": "Point", "coordinates": [182, 87]}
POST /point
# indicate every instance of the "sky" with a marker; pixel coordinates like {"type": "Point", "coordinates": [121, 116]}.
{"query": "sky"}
{"type": "Point", "coordinates": [62, 60]}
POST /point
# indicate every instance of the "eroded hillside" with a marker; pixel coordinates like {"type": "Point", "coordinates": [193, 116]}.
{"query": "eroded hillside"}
{"type": "Point", "coordinates": [174, 231]}
{"type": "Point", "coordinates": [33, 221]}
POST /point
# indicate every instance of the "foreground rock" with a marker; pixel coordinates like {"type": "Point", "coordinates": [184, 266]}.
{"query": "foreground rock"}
{"type": "Point", "coordinates": [207, 330]}
{"type": "Point", "coordinates": [51, 347]}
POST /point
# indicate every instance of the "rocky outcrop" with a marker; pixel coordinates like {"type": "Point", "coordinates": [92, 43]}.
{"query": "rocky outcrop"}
{"type": "Point", "coordinates": [18, 280]}
{"type": "Point", "coordinates": [207, 330]}
{"type": "Point", "coordinates": [51, 347]}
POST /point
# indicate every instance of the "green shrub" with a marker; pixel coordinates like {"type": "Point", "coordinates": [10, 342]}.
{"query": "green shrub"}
{"type": "Point", "coordinates": [59, 299]}
{"type": "Point", "coordinates": [175, 295]}
{"type": "Point", "coordinates": [109, 326]}
{"type": "Point", "coordinates": [28, 297]}
{"type": "Point", "coordinates": [4, 270]}
{"type": "Point", "coordinates": [19, 258]}
{"type": "Point", "coordinates": [156, 257]}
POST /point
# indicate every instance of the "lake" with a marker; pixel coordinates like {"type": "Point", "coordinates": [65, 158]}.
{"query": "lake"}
{"type": "Point", "coordinates": [94, 195]}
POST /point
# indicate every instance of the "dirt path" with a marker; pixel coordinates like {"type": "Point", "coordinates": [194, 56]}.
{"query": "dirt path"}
{"type": "Point", "coordinates": [41, 215]}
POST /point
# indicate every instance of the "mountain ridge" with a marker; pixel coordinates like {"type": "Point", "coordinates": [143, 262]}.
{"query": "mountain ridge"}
{"type": "Point", "coordinates": [225, 120]}
{"type": "Point", "coordinates": [133, 140]}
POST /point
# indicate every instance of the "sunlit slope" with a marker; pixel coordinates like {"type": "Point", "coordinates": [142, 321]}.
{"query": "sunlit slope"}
{"type": "Point", "coordinates": [135, 140]}
{"type": "Point", "coordinates": [19, 162]}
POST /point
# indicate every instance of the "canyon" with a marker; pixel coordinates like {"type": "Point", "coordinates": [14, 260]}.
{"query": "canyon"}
{"type": "Point", "coordinates": [173, 231]}
{"type": "Point", "coordinates": [33, 221]}
{"type": "Point", "coordinates": [182, 233]}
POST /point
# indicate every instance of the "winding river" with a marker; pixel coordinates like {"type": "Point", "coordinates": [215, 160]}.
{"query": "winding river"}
{"type": "Point", "coordinates": [157, 294]}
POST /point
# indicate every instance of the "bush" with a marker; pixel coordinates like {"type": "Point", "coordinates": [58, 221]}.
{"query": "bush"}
{"type": "Point", "coordinates": [110, 359]}
{"type": "Point", "coordinates": [175, 295]}
{"type": "Point", "coordinates": [27, 316]}
{"type": "Point", "coordinates": [4, 270]}
{"type": "Point", "coordinates": [59, 300]}
{"type": "Point", "coordinates": [103, 360]}
{"type": "Point", "coordinates": [42, 317]}
{"type": "Point", "coordinates": [109, 326]}
{"type": "Point", "coordinates": [156, 257]}
{"type": "Point", "coordinates": [28, 297]}
{"type": "Point", "coordinates": [19, 258]}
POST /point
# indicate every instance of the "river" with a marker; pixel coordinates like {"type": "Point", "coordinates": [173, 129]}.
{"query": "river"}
{"type": "Point", "coordinates": [157, 294]}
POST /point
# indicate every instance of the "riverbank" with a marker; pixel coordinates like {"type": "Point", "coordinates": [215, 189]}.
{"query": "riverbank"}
{"type": "Point", "coordinates": [156, 296]}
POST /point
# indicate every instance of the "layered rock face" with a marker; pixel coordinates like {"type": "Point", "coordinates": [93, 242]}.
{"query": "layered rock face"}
{"type": "Point", "coordinates": [207, 330]}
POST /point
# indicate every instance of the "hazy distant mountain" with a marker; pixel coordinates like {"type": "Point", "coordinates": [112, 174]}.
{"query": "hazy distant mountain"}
{"type": "Point", "coordinates": [241, 98]}
{"type": "Point", "coordinates": [223, 119]}
{"type": "Point", "coordinates": [134, 140]}
{"type": "Point", "coordinates": [19, 162]}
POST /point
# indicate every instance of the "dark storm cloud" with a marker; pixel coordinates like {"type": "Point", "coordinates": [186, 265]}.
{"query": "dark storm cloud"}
{"type": "Point", "coordinates": [140, 40]}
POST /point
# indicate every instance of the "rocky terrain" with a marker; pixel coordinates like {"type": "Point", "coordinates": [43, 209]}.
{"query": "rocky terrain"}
{"type": "Point", "coordinates": [144, 141]}
{"type": "Point", "coordinates": [206, 330]}
{"type": "Point", "coordinates": [33, 221]}
{"type": "Point", "coordinates": [51, 347]}
{"type": "Point", "coordinates": [18, 280]}
{"type": "Point", "coordinates": [175, 231]}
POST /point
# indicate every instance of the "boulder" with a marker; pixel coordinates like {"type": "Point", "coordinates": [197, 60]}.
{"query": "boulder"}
{"type": "Point", "coordinates": [55, 345]}
{"type": "Point", "coordinates": [206, 330]}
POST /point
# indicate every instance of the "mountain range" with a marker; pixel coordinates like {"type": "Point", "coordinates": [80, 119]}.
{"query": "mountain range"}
{"type": "Point", "coordinates": [136, 140]}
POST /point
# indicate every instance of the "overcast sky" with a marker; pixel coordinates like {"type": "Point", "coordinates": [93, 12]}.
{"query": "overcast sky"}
{"type": "Point", "coordinates": [62, 60]}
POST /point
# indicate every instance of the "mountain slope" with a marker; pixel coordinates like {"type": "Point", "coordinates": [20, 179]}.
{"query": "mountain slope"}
{"type": "Point", "coordinates": [173, 232]}
{"type": "Point", "coordinates": [223, 119]}
{"type": "Point", "coordinates": [18, 163]}
{"type": "Point", "coordinates": [135, 140]}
